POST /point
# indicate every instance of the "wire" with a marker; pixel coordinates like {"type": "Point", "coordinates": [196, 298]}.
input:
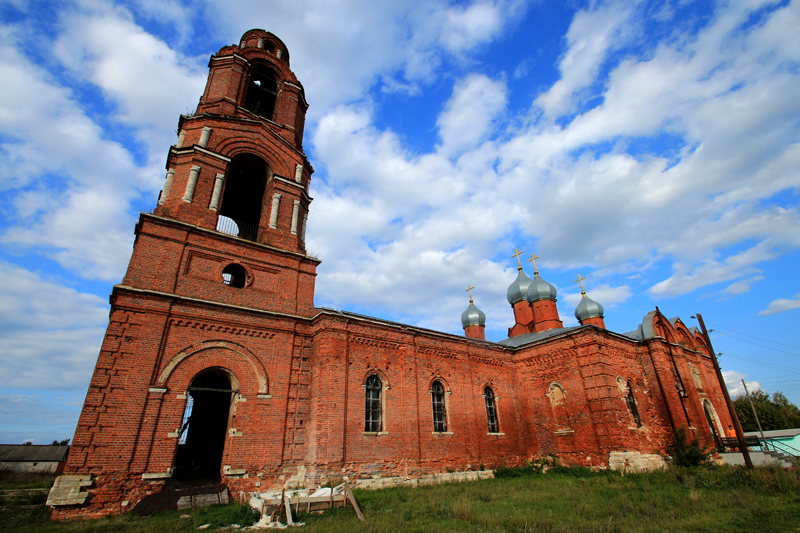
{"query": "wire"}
{"type": "Point", "coordinates": [753, 337]}
{"type": "Point", "coordinates": [775, 367]}
{"type": "Point", "coordinates": [760, 345]}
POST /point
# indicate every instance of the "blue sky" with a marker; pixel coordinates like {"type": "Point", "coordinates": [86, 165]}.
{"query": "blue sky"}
{"type": "Point", "coordinates": [652, 147]}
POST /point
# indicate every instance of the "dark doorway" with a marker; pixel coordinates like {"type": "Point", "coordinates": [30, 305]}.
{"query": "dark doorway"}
{"type": "Point", "coordinates": [713, 428]}
{"type": "Point", "coordinates": [205, 424]}
{"type": "Point", "coordinates": [244, 194]}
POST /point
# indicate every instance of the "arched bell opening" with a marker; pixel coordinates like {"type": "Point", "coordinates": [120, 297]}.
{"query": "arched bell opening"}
{"type": "Point", "coordinates": [204, 428]}
{"type": "Point", "coordinates": [262, 91]}
{"type": "Point", "coordinates": [243, 198]}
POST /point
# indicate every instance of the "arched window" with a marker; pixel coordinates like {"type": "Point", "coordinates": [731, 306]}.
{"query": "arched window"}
{"type": "Point", "coordinates": [439, 409]}
{"type": "Point", "coordinates": [491, 410]}
{"type": "Point", "coordinates": [630, 401]}
{"type": "Point", "coordinates": [262, 91]}
{"type": "Point", "coordinates": [558, 401]}
{"type": "Point", "coordinates": [373, 414]}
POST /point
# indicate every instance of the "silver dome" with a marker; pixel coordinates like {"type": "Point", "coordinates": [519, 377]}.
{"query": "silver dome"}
{"type": "Point", "coordinates": [516, 291]}
{"type": "Point", "coordinates": [539, 289]}
{"type": "Point", "coordinates": [473, 316]}
{"type": "Point", "coordinates": [588, 308]}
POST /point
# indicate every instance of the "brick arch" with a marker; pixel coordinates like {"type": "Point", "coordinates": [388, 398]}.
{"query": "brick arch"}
{"type": "Point", "coordinates": [380, 374]}
{"type": "Point", "coordinates": [441, 380]}
{"type": "Point", "coordinates": [247, 363]}
{"type": "Point", "coordinates": [277, 162]}
{"type": "Point", "coordinates": [684, 334]}
{"type": "Point", "coordinates": [700, 343]}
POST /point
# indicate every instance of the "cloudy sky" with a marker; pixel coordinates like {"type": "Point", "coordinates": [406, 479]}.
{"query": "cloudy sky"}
{"type": "Point", "coordinates": [652, 147]}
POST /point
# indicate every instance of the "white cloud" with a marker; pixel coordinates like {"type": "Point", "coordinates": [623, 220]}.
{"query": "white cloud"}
{"type": "Point", "coordinates": [781, 305]}
{"type": "Point", "coordinates": [467, 118]}
{"type": "Point", "coordinates": [51, 333]}
{"type": "Point", "coordinates": [149, 82]}
{"type": "Point", "coordinates": [604, 294]}
{"type": "Point", "coordinates": [465, 27]}
{"type": "Point", "coordinates": [741, 286]}
{"type": "Point", "coordinates": [733, 381]}
{"type": "Point", "coordinates": [592, 35]}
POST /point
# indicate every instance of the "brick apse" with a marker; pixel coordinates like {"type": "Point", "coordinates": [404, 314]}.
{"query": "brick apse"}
{"type": "Point", "coordinates": [216, 365]}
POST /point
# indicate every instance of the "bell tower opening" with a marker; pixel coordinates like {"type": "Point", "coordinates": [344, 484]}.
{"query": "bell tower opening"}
{"type": "Point", "coordinates": [244, 194]}
{"type": "Point", "coordinates": [262, 91]}
{"type": "Point", "coordinates": [204, 428]}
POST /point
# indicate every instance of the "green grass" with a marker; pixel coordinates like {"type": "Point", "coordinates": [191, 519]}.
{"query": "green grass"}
{"type": "Point", "coordinates": [680, 499]}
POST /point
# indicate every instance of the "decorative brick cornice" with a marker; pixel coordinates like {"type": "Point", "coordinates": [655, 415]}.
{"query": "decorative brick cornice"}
{"type": "Point", "coordinates": [220, 328]}
{"type": "Point", "coordinates": [377, 343]}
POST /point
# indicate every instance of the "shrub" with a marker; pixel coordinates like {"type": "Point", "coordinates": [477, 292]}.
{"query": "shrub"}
{"type": "Point", "coordinates": [681, 452]}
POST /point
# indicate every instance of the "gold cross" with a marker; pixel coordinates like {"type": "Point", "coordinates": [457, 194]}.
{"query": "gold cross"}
{"type": "Point", "coordinates": [533, 260]}
{"type": "Point", "coordinates": [469, 290]}
{"type": "Point", "coordinates": [517, 254]}
{"type": "Point", "coordinates": [580, 282]}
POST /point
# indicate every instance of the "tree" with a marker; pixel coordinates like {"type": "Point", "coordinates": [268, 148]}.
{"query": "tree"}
{"type": "Point", "coordinates": [64, 442]}
{"type": "Point", "coordinates": [773, 413]}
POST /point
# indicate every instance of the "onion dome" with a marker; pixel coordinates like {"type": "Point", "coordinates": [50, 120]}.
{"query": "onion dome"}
{"type": "Point", "coordinates": [473, 316]}
{"type": "Point", "coordinates": [516, 291]}
{"type": "Point", "coordinates": [539, 289]}
{"type": "Point", "coordinates": [588, 308]}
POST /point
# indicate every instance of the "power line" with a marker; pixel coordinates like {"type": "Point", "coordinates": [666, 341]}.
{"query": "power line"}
{"type": "Point", "coordinates": [754, 337]}
{"type": "Point", "coordinates": [775, 367]}
{"type": "Point", "coordinates": [760, 345]}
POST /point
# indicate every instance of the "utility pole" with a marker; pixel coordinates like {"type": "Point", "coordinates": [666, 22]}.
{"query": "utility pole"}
{"type": "Point", "coordinates": [753, 407]}
{"type": "Point", "coordinates": [731, 409]}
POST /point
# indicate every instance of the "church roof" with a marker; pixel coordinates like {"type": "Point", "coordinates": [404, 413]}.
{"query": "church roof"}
{"type": "Point", "coordinates": [527, 338]}
{"type": "Point", "coordinates": [473, 316]}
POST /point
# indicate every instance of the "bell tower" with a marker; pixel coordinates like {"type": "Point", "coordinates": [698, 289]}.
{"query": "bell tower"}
{"type": "Point", "coordinates": [238, 165]}
{"type": "Point", "coordinates": [209, 333]}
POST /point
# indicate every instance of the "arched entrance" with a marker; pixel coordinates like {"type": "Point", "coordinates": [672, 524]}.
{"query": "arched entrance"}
{"type": "Point", "coordinates": [204, 428]}
{"type": "Point", "coordinates": [711, 415]}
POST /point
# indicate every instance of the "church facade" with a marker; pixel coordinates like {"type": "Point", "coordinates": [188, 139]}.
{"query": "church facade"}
{"type": "Point", "coordinates": [217, 366]}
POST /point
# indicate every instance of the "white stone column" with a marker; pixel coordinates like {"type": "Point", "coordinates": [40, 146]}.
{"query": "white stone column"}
{"type": "Point", "coordinates": [280, 53]}
{"type": "Point", "coordinates": [219, 181]}
{"type": "Point", "coordinates": [303, 229]}
{"type": "Point", "coordinates": [191, 184]}
{"type": "Point", "coordinates": [273, 216]}
{"type": "Point", "coordinates": [295, 215]}
{"type": "Point", "coordinates": [260, 42]}
{"type": "Point", "coordinates": [181, 138]}
{"type": "Point", "coordinates": [205, 136]}
{"type": "Point", "coordinates": [167, 186]}
{"type": "Point", "coordinates": [298, 173]}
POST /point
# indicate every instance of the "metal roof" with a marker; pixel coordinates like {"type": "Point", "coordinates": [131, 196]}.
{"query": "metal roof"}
{"type": "Point", "coordinates": [32, 453]}
{"type": "Point", "coordinates": [528, 338]}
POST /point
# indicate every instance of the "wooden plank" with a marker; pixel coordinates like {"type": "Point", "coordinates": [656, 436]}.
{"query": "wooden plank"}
{"type": "Point", "coordinates": [288, 505]}
{"type": "Point", "coordinates": [352, 499]}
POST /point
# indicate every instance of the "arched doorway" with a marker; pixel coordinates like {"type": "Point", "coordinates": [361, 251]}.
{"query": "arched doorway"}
{"type": "Point", "coordinates": [204, 428]}
{"type": "Point", "coordinates": [711, 415]}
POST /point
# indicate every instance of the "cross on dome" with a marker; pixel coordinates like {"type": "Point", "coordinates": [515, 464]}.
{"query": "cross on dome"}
{"type": "Point", "coordinates": [469, 290]}
{"type": "Point", "coordinates": [533, 260]}
{"type": "Point", "coordinates": [580, 282]}
{"type": "Point", "coordinates": [517, 254]}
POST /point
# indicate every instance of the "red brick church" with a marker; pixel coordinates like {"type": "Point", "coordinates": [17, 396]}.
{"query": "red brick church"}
{"type": "Point", "coordinates": [217, 366]}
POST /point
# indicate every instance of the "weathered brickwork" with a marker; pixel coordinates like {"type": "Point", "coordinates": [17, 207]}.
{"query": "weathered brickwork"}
{"type": "Point", "coordinates": [318, 394]}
